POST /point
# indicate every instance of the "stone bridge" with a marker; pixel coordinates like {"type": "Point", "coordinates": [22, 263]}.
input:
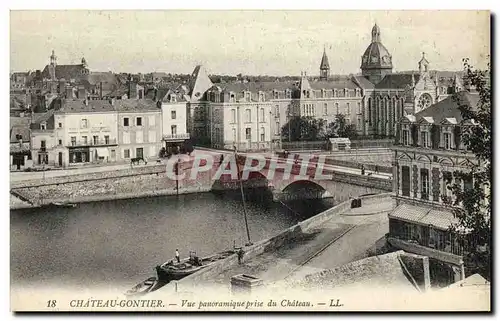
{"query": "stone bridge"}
{"type": "Point", "coordinates": [293, 180]}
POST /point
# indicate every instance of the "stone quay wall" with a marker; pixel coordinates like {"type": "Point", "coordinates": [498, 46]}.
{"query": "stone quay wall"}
{"type": "Point", "coordinates": [122, 184]}
{"type": "Point", "coordinates": [273, 243]}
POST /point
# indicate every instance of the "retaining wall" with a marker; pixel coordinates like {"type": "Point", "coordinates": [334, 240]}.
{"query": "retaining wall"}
{"type": "Point", "coordinates": [275, 242]}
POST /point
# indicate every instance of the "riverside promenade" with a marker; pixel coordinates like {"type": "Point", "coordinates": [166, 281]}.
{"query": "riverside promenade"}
{"type": "Point", "coordinates": [339, 236]}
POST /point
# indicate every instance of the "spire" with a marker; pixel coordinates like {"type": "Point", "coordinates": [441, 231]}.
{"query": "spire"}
{"type": "Point", "coordinates": [423, 64]}
{"type": "Point", "coordinates": [376, 33]}
{"type": "Point", "coordinates": [324, 61]}
{"type": "Point", "coordinates": [53, 58]}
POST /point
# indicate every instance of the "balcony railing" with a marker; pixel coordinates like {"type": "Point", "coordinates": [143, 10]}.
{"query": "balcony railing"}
{"type": "Point", "coordinates": [91, 142]}
{"type": "Point", "coordinates": [176, 136]}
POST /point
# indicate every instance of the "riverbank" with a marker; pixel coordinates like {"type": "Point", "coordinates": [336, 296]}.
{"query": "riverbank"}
{"type": "Point", "coordinates": [288, 252]}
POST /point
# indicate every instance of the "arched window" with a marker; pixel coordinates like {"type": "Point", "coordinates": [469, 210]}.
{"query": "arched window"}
{"type": "Point", "coordinates": [369, 111]}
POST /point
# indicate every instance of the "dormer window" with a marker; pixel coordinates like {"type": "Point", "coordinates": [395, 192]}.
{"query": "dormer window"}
{"type": "Point", "coordinates": [173, 98]}
{"type": "Point", "coordinates": [323, 93]}
{"type": "Point", "coordinates": [248, 96]}
{"type": "Point", "coordinates": [276, 94]}
{"type": "Point", "coordinates": [288, 94]}
{"type": "Point", "coordinates": [231, 97]}
{"type": "Point", "coordinates": [308, 94]}
{"type": "Point", "coordinates": [425, 136]}
{"type": "Point", "coordinates": [447, 137]}
{"type": "Point", "coordinates": [43, 126]}
{"type": "Point", "coordinates": [261, 96]}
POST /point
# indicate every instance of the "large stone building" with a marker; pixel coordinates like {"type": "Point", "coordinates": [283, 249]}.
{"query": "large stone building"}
{"type": "Point", "coordinates": [427, 152]}
{"type": "Point", "coordinates": [250, 115]}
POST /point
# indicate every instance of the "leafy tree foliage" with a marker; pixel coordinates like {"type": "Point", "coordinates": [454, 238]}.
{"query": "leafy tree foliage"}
{"type": "Point", "coordinates": [340, 128]}
{"type": "Point", "coordinates": [303, 129]}
{"type": "Point", "coordinates": [474, 212]}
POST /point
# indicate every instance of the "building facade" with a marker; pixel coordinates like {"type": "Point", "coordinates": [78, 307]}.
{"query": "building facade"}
{"type": "Point", "coordinates": [85, 132]}
{"type": "Point", "coordinates": [174, 119]}
{"type": "Point", "coordinates": [139, 128]}
{"type": "Point", "coordinates": [428, 150]}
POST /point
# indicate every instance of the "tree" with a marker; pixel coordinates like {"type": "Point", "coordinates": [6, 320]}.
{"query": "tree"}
{"type": "Point", "coordinates": [303, 129]}
{"type": "Point", "coordinates": [340, 128]}
{"type": "Point", "coordinates": [473, 205]}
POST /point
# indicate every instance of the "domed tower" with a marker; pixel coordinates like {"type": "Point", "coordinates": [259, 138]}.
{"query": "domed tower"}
{"type": "Point", "coordinates": [324, 67]}
{"type": "Point", "coordinates": [376, 62]}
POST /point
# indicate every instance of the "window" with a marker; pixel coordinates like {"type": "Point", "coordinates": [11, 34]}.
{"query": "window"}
{"type": "Point", "coordinates": [424, 178]}
{"type": "Point", "coordinates": [468, 184]}
{"type": "Point", "coordinates": [447, 140]}
{"type": "Point", "coordinates": [125, 121]}
{"type": "Point", "coordinates": [406, 135]}
{"type": "Point", "coordinates": [60, 125]}
{"type": "Point", "coordinates": [126, 138]}
{"type": "Point", "coordinates": [359, 124]}
{"type": "Point", "coordinates": [348, 108]}
{"type": "Point", "coordinates": [95, 139]}
{"type": "Point", "coordinates": [262, 116]}
{"type": "Point", "coordinates": [152, 136]}
{"type": "Point", "coordinates": [84, 140]}
{"type": "Point", "coordinates": [106, 140]}
{"type": "Point", "coordinates": [152, 151]}
{"type": "Point", "coordinates": [277, 129]}
{"type": "Point", "coordinates": [113, 154]}
{"type": "Point", "coordinates": [405, 180]}
{"type": "Point", "coordinates": [173, 129]}
{"type": "Point", "coordinates": [234, 134]}
{"type": "Point", "coordinates": [233, 116]}
{"type": "Point", "coordinates": [139, 138]}
{"type": "Point", "coordinates": [359, 108]}
{"type": "Point", "coordinates": [43, 144]}
{"type": "Point", "coordinates": [325, 109]}
{"type": "Point", "coordinates": [73, 140]}
{"type": "Point", "coordinates": [424, 135]}
{"type": "Point", "coordinates": [60, 141]}
{"type": "Point", "coordinates": [43, 126]}
{"type": "Point", "coordinates": [261, 96]}
{"type": "Point", "coordinates": [151, 120]}
{"type": "Point", "coordinates": [248, 133]}
{"type": "Point", "coordinates": [126, 153]}
{"type": "Point", "coordinates": [288, 94]}
{"type": "Point", "coordinates": [447, 181]}
{"type": "Point", "coordinates": [173, 114]}
{"type": "Point", "coordinates": [138, 121]}
{"type": "Point", "coordinates": [248, 115]}
{"type": "Point", "coordinates": [277, 111]}
{"type": "Point", "coordinates": [262, 134]}
{"type": "Point", "coordinates": [337, 108]}
{"type": "Point", "coordinates": [84, 123]}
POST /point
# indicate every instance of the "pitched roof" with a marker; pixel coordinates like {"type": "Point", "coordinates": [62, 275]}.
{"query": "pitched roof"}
{"type": "Point", "coordinates": [120, 105]}
{"type": "Point", "coordinates": [66, 72]}
{"type": "Point", "coordinates": [47, 117]}
{"type": "Point", "coordinates": [397, 81]}
{"type": "Point", "coordinates": [24, 131]}
{"type": "Point", "coordinates": [448, 107]}
{"type": "Point", "coordinates": [365, 83]}
{"type": "Point", "coordinates": [136, 105]}
{"type": "Point", "coordinates": [335, 83]}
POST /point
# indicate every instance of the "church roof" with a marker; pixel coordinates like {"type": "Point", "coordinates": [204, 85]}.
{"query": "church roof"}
{"type": "Point", "coordinates": [397, 81]}
{"type": "Point", "coordinates": [66, 72]}
{"type": "Point", "coordinates": [324, 62]}
{"type": "Point", "coordinates": [448, 107]}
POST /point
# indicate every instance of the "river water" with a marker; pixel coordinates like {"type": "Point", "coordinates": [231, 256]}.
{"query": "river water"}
{"type": "Point", "coordinates": [118, 243]}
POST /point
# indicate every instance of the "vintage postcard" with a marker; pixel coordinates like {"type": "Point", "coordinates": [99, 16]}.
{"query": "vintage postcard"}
{"type": "Point", "coordinates": [183, 160]}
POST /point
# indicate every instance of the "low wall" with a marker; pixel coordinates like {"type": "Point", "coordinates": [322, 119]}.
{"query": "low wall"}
{"type": "Point", "coordinates": [142, 170]}
{"type": "Point", "coordinates": [274, 242]}
{"type": "Point", "coordinates": [122, 184]}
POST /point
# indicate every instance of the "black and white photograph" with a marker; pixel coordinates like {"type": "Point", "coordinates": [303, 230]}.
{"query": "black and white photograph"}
{"type": "Point", "coordinates": [250, 160]}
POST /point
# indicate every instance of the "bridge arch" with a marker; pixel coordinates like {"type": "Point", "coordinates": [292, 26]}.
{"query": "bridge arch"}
{"type": "Point", "coordinates": [304, 189]}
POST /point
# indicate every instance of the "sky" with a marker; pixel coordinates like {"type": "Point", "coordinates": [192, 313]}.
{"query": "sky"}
{"type": "Point", "coordinates": [249, 42]}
